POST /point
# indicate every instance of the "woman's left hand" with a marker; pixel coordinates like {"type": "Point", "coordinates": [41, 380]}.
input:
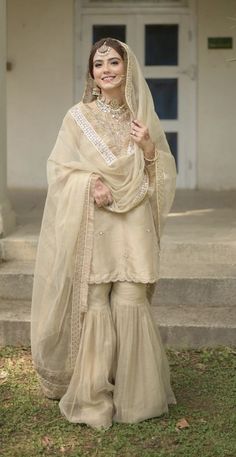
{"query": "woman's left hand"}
{"type": "Point", "coordinates": [140, 135]}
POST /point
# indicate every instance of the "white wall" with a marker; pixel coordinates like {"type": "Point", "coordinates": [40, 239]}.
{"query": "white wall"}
{"type": "Point", "coordinates": [40, 85]}
{"type": "Point", "coordinates": [216, 97]}
{"type": "Point", "coordinates": [40, 89]}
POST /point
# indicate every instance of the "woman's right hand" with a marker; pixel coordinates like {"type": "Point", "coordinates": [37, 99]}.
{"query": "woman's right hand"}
{"type": "Point", "coordinates": [102, 194]}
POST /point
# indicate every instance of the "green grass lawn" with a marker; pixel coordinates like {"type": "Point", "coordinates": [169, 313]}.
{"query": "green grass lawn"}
{"type": "Point", "coordinates": [205, 386]}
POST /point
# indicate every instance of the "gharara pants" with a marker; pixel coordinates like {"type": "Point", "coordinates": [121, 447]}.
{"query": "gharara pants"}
{"type": "Point", "coordinates": [121, 373]}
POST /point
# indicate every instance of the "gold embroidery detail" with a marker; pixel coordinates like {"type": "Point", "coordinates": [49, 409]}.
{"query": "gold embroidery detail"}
{"type": "Point", "coordinates": [92, 135]}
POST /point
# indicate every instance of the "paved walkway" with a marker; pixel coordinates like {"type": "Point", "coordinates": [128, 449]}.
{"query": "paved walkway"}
{"type": "Point", "coordinates": [203, 215]}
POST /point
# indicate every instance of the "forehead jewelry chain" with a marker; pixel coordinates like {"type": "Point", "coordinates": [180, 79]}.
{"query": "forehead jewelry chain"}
{"type": "Point", "coordinates": [104, 49]}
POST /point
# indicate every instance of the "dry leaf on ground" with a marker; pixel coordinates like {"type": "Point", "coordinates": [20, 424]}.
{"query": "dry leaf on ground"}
{"type": "Point", "coordinates": [181, 424]}
{"type": "Point", "coordinates": [47, 441]}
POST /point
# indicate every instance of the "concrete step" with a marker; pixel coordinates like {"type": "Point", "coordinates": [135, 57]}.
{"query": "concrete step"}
{"type": "Point", "coordinates": [194, 326]}
{"type": "Point", "coordinates": [16, 280]}
{"type": "Point", "coordinates": [211, 285]}
{"type": "Point", "coordinates": [180, 326]}
{"type": "Point", "coordinates": [196, 291]}
{"type": "Point", "coordinates": [21, 244]}
{"type": "Point", "coordinates": [214, 285]}
{"type": "Point", "coordinates": [197, 270]}
{"type": "Point", "coordinates": [15, 322]}
{"type": "Point", "coordinates": [190, 252]}
{"type": "Point", "coordinates": [194, 304]}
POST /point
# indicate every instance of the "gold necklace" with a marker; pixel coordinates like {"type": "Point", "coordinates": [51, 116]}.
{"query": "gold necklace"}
{"type": "Point", "coordinates": [111, 107]}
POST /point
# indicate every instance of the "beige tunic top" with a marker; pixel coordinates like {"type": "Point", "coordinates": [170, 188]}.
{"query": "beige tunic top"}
{"type": "Point", "coordinates": [125, 246]}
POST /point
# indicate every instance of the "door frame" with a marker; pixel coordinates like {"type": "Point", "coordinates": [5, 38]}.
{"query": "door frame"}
{"type": "Point", "coordinates": [189, 181]}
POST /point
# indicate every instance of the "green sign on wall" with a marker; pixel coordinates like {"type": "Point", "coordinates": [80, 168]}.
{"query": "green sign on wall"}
{"type": "Point", "coordinates": [220, 43]}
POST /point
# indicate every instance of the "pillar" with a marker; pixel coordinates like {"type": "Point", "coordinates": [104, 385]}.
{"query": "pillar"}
{"type": "Point", "coordinates": [7, 218]}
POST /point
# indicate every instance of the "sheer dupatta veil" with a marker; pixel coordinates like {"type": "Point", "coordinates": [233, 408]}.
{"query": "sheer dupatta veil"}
{"type": "Point", "coordinates": [66, 238]}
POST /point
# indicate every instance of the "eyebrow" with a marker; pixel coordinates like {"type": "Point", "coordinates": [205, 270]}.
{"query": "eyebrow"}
{"type": "Point", "coordinates": [111, 58]}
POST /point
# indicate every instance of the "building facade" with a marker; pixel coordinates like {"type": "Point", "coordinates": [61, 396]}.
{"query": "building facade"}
{"type": "Point", "coordinates": [185, 48]}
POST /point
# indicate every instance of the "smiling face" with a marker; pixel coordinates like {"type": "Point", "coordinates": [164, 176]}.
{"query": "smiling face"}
{"type": "Point", "coordinates": [109, 73]}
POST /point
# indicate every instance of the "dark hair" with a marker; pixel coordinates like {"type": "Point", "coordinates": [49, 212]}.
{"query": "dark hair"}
{"type": "Point", "coordinates": [110, 42]}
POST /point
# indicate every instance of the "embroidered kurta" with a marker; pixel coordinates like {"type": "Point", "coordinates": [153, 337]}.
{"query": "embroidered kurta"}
{"type": "Point", "coordinates": [126, 242]}
{"type": "Point", "coordinates": [127, 245]}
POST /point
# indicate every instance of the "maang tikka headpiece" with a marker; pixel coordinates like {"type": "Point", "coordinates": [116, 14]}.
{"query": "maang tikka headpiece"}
{"type": "Point", "coordinates": [104, 49]}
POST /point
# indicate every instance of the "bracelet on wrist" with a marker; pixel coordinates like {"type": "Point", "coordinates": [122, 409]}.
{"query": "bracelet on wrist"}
{"type": "Point", "coordinates": [153, 158]}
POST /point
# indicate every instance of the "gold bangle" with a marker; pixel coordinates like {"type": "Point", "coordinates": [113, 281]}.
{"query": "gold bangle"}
{"type": "Point", "coordinates": [154, 158]}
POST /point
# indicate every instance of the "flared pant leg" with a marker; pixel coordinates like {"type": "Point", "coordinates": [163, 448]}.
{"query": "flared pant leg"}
{"type": "Point", "coordinates": [89, 396]}
{"type": "Point", "coordinates": [142, 381]}
{"type": "Point", "coordinates": [121, 372]}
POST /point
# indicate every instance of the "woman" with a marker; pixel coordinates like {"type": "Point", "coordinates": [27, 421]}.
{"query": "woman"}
{"type": "Point", "coordinates": [111, 183]}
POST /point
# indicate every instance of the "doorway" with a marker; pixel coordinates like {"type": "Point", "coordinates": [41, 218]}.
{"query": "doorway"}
{"type": "Point", "coordinates": [164, 46]}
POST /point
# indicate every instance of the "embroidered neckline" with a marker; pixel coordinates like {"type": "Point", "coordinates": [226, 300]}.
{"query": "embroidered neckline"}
{"type": "Point", "coordinates": [111, 107]}
{"type": "Point", "coordinates": [95, 139]}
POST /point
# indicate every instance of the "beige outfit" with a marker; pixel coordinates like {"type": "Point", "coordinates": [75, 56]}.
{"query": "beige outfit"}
{"type": "Point", "coordinates": [123, 373]}
{"type": "Point", "coordinates": [94, 345]}
{"type": "Point", "coordinates": [127, 245]}
{"type": "Point", "coordinates": [126, 242]}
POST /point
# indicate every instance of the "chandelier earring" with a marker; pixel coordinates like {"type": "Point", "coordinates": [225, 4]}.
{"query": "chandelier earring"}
{"type": "Point", "coordinates": [96, 91]}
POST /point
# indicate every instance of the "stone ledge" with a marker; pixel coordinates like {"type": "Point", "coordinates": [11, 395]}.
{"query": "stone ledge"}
{"type": "Point", "coordinates": [180, 326]}
{"type": "Point", "coordinates": [15, 322]}
{"type": "Point", "coordinates": [194, 327]}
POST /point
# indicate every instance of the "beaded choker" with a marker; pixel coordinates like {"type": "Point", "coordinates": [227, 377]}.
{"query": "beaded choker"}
{"type": "Point", "coordinates": [112, 107]}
